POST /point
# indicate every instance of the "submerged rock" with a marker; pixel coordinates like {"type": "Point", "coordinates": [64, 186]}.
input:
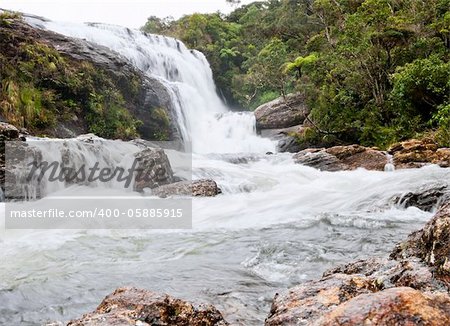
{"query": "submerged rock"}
{"type": "Point", "coordinates": [131, 306]}
{"type": "Point", "coordinates": [425, 198]}
{"type": "Point", "coordinates": [339, 158]}
{"type": "Point", "coordinates": [417, 153]}
{"type": "Point", "coordinates": [282, 112]}
{"type": "Point", "coordinates": [196, 188]}
{"type": "Point", "coordinates": [409, 288]}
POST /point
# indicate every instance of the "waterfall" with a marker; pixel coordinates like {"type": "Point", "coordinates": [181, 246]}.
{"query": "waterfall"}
{"type": "Point", "coordinates": [203, 119]}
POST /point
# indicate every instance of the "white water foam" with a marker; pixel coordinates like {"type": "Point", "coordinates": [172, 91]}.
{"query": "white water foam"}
{"type": "Point", "coordinates": [202, 117]}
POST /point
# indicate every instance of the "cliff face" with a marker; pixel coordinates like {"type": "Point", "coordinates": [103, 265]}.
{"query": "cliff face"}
{"type": "Point", "coordinates": [60, 87]}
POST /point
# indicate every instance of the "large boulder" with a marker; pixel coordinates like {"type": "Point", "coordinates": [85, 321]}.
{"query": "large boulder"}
{"type": "Point", "coordinates": [154, 169]}
{"type": "Point", "coordinates": [305, 303]}
{"type": "Point", "coordinates": [409, 288]}
{"type": "Point", "coordinates": [131, 306]}
{"type": "Point", "coordinates": [397, 306]}
{"type": "Point", "coordinates": [196, 188]}
{"type": "Point", "coordinates": [417, 153]}
{"type": "Point", "coordinates": [282, 112]}
{"type": "Point", "coordinates": [339, 158]}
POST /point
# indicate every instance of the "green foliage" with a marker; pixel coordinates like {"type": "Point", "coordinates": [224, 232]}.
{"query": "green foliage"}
{"type": "Point", "coordinates": [442, 119]}
{"type": "Point", "coordinates": [162, 120]}
{"type": "Point", "coordinates": [7, 18]}
{"type": "Point", "coordinates": [39, 87]}
{"type": "Point", "coordinates": [373, 71]}
{"type": "Point", "coordinates": [299, 64]}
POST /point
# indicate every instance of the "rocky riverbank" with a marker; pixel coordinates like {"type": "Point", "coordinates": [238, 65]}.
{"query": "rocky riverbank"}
{"type": "Point", "coordinates": [63, 87]}
{"type": "Point", "coordinates": [131, 306]}
{"type": "Point", "coordinates": [410, 287]}
{"type": "Point", "coordinates": [405, 155]}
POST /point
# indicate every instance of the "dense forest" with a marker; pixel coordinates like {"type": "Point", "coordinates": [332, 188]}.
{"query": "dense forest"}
{"type": "Point", "coordinates": [373, 71]}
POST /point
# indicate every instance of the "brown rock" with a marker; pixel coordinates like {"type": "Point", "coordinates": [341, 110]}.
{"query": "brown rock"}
{"type": "Point", "coordinates": [282, 112]}
{"type": "Point", "coordinates": [196, 188]}
{"type": "Point", "coordinates": [355, 156]}
{"type": "Point", "coordinates": [131, 306]}
{"type": "Point", "coordinates": [397, 306]}
{"type": "Point", "coordinates": [307, 302]}
{"type": "Point", "coordinates": [339, 158]}
{"type": "Point", "coordinates": [410, 288]}
{"type": "Point", "coordinates": [8, 132]}
{"type": "Point", "coordinates": [417, 153]}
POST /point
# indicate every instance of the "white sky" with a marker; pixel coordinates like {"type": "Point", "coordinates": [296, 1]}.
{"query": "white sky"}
{"type": "Point", "coordinates": [131, 13]}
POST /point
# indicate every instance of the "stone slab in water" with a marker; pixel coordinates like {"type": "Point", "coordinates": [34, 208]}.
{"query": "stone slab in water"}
{"type": "Point", "coordinates": [340, 158]}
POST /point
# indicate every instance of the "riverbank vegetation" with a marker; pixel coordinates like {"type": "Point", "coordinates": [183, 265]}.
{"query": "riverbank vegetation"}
{"type": "Point", "coordinates": [41, 90]}
{"type": "Point", "coordinates": [373, 72]}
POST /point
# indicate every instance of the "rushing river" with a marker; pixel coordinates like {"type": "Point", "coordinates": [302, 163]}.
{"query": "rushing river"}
{"type": "Point", "coordinates": [275, 225]}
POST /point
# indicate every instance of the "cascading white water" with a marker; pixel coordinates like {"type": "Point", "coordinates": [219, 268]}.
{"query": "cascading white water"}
{"type": "Point", "coordinates": [202, 117]}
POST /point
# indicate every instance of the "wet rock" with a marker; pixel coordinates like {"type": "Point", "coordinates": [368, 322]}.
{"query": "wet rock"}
{"type": "Point", "coordinates": [339, 158]}
{"type": "Point", "coordinates": [286, 137]}
{"type": "Point", "coordinates": [154, 169]}
{"type": "Point", "coordinates": [282, 112]}
{"type": "Point", "coordinates": [147, 99]}
{"type": "Point", "coordinates": [425, 198]}
{"type": "Point", "coordinates": [8, 132]}
{"type": "Point", "coordinates": [289, 144]}
{"type": "Point", "coordinates": [196, 188]}
{"type": "Point", "coordinates": [319, 159]}
{"type": "Point", "coordinates": [430, 244]}
{"type": "Point", "coordinates": [396, 306]}
{"type": "Point", "coordinates": [409, 288]}
{"type": "Point", "coordinates": [365, 267]}
{"type": "Point", "coordinates": [131, 306]}
{"type": "Point", "coordinates": [387, 273]}
{"type": "Point", "coordinates": [417, 153]}
{"type": "Point", "coordinates": [15, 157]}
{"type": "Point", "coordinates": [305, 303]}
